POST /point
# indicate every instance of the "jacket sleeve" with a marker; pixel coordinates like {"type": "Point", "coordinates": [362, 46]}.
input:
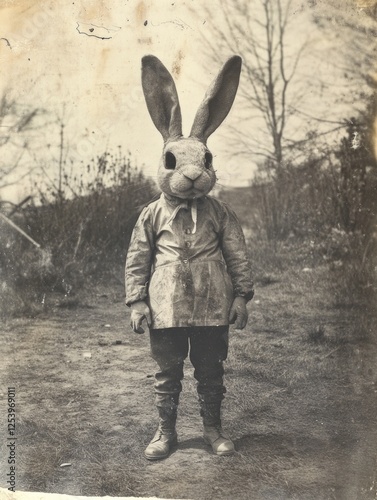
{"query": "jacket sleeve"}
{"type": "Point", "coordinates": [236, 255]}
{"type": "Point", "coordinates": [139, 258]}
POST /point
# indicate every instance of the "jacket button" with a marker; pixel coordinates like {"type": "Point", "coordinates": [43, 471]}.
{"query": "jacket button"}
{"type": "Point", "coordinates": [188, 231]}
{"type": "Point", "coordinates": [185, 261]}
{"type": "Point", "coordinates": [187, 244]}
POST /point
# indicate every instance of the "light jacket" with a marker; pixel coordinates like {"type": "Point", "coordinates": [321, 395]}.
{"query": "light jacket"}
{"type": "Point", "coordinates": [188, 260]}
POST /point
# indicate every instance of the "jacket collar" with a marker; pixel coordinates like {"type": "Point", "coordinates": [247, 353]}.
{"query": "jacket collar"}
{"type": "Point", "coordinates": [178, 203]}
{"type": "Point", "coordinates": [174, 201]}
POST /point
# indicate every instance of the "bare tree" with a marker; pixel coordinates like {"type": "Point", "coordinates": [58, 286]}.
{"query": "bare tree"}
{"type": "Point", "coordinates": [258, 32]}
{"type": "Point", "coordinates": [355, 28]}
{"type": "Point", "coordinates": [282, 108]}
{"type": "Point", "coordinates": [16, 129]}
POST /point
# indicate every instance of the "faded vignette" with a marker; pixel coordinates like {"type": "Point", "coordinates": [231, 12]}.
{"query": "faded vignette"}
{"type": "Point", "coordinates": [113, 39]}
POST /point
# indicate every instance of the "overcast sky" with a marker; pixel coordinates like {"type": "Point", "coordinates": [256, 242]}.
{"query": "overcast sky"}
{"type": "Point", "coordinates": [82, 58]}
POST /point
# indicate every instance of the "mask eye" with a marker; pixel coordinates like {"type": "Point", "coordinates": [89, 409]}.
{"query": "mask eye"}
{"type": "Point", "coordinates": [208, 160]}
{"type": "Point", "coordinates": [170, 161]}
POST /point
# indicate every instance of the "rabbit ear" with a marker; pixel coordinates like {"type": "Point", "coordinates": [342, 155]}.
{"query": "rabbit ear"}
{"type": "Point", "coordinates": [161, 97]}
{"type": "Point", "coordinates": [218, 100]}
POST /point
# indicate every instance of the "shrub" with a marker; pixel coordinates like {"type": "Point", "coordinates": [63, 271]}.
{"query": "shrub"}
{"type": "Point", "coordinates": [329, 202]}
{"type": "Point", "coordinates": [82, 236]}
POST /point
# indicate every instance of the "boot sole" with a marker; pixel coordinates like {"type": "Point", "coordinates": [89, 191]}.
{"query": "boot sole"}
{"type": "Point", "coordinates": [154, 458]}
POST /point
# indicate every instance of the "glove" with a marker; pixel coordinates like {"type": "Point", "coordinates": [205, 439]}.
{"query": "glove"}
{"type": "Point", "coordinates": [238, 313]}
{"type": "Point", "coordinates": [140, 312]}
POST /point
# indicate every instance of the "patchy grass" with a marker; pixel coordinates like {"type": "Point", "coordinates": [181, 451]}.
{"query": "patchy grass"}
{"type": "Point", "coordinates": [300, 405]}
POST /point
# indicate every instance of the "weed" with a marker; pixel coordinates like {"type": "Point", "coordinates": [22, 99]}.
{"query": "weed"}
{"type": "Point", "coordinates": [317, 334]}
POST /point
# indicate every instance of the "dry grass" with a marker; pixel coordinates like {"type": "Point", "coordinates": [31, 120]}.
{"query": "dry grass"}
{"type": "Point", "coordinates": [297, 405]}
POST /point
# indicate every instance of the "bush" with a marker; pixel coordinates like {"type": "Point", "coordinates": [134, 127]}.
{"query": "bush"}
{"type": "Point", "coordinates": [330, 202]}
{"type": "Point", "coordinates": [82, 237]}
{"type": "Point", "coordinates": [92, 226]}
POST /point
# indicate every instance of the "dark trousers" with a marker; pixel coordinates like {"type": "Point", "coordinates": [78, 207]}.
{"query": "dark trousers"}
{"type": "Point", "coordinates": [208, 348]}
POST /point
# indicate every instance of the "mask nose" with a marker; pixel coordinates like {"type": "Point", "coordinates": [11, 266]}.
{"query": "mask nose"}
{"type": "Point", "coordinates": [192, 172]}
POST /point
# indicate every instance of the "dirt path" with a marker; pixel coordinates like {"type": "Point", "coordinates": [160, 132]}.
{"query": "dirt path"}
{"type": "Point", "coordinates": [303, 415]}
{"type": "Point", "coordinates": [82, 374]}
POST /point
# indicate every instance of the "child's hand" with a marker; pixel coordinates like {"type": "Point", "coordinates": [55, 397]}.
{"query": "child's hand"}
{"type": "Point", "coordinates": [139, 312]}
{"type": "Point", "coordinates": [238, 313]}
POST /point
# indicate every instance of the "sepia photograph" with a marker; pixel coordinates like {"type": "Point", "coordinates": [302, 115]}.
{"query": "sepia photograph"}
{"type": "Point", "coordinates": [188, 249]}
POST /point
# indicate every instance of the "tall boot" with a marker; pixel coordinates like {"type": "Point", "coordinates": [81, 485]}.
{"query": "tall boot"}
{"type": "Point", "coordinates": [165, 437]}
{"type": "Point", "coordinates": [213, 433]}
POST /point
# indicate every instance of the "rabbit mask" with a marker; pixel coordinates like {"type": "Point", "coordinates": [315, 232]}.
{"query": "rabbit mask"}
{"type": "Point", "coordinates": [186, 169]}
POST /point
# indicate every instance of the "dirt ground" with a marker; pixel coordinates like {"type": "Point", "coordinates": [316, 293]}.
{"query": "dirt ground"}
{"type": "Point", "coordinates": [301, 402]}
